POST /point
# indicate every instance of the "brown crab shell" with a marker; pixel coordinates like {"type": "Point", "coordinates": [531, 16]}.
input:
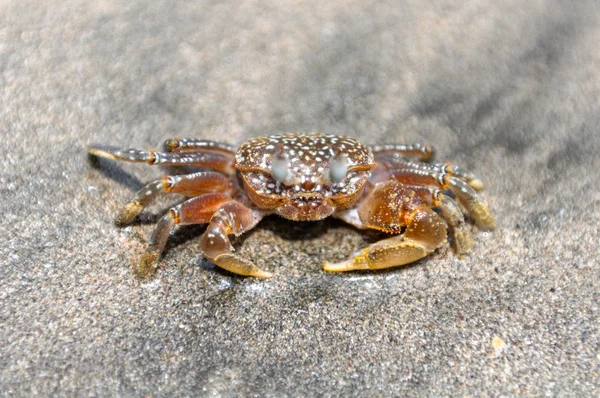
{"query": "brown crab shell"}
{"type": "Point", "coordinates": [308, 193]}
{"type": "Point", "coordinates": [306, 152]}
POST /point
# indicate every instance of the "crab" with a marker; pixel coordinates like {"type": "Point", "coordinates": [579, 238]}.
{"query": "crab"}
{"type": "Point", "coordinates": [308, 177]}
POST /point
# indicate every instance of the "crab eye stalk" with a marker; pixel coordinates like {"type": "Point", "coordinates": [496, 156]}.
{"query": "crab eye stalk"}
{"type": "Point", "coordinates": [338, 168]}
{"type": "Point", "coordinates": [280, 168]}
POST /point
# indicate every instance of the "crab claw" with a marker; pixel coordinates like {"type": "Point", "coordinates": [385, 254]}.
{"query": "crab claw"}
{"type": "Point", "coordinates": [240, 266]}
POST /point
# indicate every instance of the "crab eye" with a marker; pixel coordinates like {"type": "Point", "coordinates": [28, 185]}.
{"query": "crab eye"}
{"type": "Point", "coordinates": [338, 167]}
{"type": "Point", "coordinates": [280, 168]}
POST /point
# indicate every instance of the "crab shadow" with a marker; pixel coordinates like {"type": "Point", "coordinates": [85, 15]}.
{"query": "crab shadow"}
{"type": "Point", "coordinates": [116, 173]}
{"type": "Point", "coordinates": [295, 230]}
{"type": "Point", "coordinates": [285, 229]}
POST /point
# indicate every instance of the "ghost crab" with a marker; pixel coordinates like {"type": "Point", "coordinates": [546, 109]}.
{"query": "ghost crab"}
{"type": "Point", "coordinates": [308, 177]}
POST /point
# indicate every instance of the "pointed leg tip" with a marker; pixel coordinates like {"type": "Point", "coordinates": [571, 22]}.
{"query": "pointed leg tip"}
{"type": "Point", "coordinates": [487, 225]}
{"type": "Point", "coordinates": [462, 240]}
{"type": "Point", "coordinates": [101, 151]}
{"type": "Point", "coordinates": [476, 184]}
{"type": "Point", "coordinates": [358, 262]}
{"type": "Point", "coordinates": [238, 265]}
{"type": "Point", "coordinates": [327, 266]}
{"type": "Point", "coordinates": [483, 217]}
{"type": "Point", "coordinates": [263, 274]}
{"type": "Point", "coordinates": [128, 213]}
{"type": "Point", "coordinates": [148, 264]}
{"type": "Point", "coordinates": [93, 150]}
{"type": "Point", "coordinates": [337, 267]}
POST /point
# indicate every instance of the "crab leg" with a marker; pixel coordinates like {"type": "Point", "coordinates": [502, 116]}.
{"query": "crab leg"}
{"type": "Point", "coordinates": [189, 185]}
{"type": "Point", "coordinates": [197, 210]}
{"type": "Point", "coordinates": [452, 214]}
{"type": "Point", "coordinates": [194, 144]}
{"type": "Point", "coordinates": [209, 159]}
{"type": "Point", "coordinates": [423, 151]}
{"type": "Point", "coordinates": [392, 161]}
{"type": "Point", "coordinates": [389, 207]}
{"type": "Point", "coordinates": [465, 194]}
{"type": "Point", "coordinates": [232, 218]}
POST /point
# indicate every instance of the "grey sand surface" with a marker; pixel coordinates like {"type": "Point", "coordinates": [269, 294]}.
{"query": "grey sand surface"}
{"type": "Point", "coordinates": [509, 90]}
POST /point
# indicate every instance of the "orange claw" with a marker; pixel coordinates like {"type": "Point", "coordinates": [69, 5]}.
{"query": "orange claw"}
{"type": "Point", "coordinates": [232, 218]}
{"type": "Point", "coordinates": [393, 206]}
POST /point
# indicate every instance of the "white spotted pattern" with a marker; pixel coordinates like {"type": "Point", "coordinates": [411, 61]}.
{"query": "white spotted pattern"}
{"type": "Point", "coordinates": [309, 158]}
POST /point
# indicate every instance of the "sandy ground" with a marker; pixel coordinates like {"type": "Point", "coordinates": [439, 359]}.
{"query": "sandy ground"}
{"type": "Point", "coordinates": [506, 89]}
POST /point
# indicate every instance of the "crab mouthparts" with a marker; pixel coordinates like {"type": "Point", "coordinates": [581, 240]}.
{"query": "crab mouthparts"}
{"type": "Point", "coordinates": [308, 196]}
{"type": "Point", "coordinates": [306, 207]}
